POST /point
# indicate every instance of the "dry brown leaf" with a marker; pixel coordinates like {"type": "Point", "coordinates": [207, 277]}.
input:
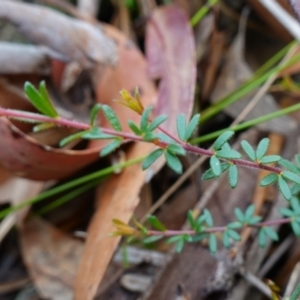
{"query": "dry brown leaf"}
{"type": "Point", "coordinates": [51, 257]}
{"type": "Point", "coordinates": [117, 201]}
{"type": "Point", "coordinates": [170, 50]}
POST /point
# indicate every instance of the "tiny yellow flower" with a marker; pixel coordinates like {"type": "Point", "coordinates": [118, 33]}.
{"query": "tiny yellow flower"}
{"type": "Point", "coordinates": [132, 102]}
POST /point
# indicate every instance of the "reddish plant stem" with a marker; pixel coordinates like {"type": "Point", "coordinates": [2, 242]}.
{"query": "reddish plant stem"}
{"type": "Point", "coordinates": [17, 114]}
{"type": "Point", "coordinates": [169, 233]}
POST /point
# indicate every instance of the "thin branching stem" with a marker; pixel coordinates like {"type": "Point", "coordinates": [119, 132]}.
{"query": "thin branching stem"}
{"type": "Point", "coordinates": [17, 114]}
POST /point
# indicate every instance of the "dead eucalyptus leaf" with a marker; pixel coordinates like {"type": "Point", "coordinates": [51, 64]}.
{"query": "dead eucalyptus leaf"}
{"type": "Point", "coordinates": [170, 51]}
{"type": "Point", "coordinates": [51, 257]}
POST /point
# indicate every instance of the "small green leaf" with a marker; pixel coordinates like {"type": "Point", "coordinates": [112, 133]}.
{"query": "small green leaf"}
{"type": "Point", "coordinates": [208, 218]}
{"type": "Point", "coordinates": [271, 233]}
{"type": "Point", "coordinates": [134, 127]}
{"type": "Point", "coordinates": [208, 174]}
{"type": "Point", "coordinates": [173, 162]}
{"type": "Point", "coordinates": [198, 237]}
{"type": "Point", "coordinates": [239, 215]}
{"type": "Point", "coordinates": [291, 176]}
{"type": "Point", "coordinates": [150, 136]}
{"type": "Point", "coordinates": [234, 235]}
{"type": "Point", "coordinates": [262, 237]}
{"type": "Point", "coordinates": [112, 146]}
{"type": "Point", "coordinates": [222, 139]}
{"type": "Point", "coordinates": [254, 220]}
{"type": "Point", "coordinates": [94, 113]}
{"type": "Point", "coordinates": [96, 133]}
{"type": "Point", "coordinates": [262, 148]}
{"type": "Point", "coordinates": [192, 126]}
{"type": "Point", "coordinates": [174, 239]}
{"type": "Point", "coordinates": [284, 188]}
{"type": "Point", "coordinates": [176, 149]}
{"type": "Point", "coordinates": [235, 225]}
{"type": "Point", "coordinates": [151, 158]}
{"type": "Point", "coordinates": [187, 238]}
{"type": "Point", "coordinates": [296, 228]}
{"type": "Point", "coordinates": [156, 122]}
{"type": "Point", "coordinates": [163, 137]}
{"type": "Point", "coordinates": [156, 223]}
{"type": "Point", "coordinates": [233, 176]}
{"type": "Point", "coordinates": [229, 154]}
{"type": "Point", "coordinates": [295, 205]}
{"type": "Point", "coordinates": [180, 245]}
{"type": "Point", "coordinates": [295, 189]}
{"type": "Point", "coordinates": [269, 179]}
{"type": "Point", "coordinates": [215, 165]}
{"type": "Point", "coordinates": [71, 138]}
{"type": "Point", "coordinates": [248, 149]}
{"type": "Point", "coordinates": [111, 117]}
{"type": "Point", "coordinates": [191, 219]}
{"type": "Point", "coordinates": [288, 165]}
{"type": "Point", "coordinates": [145, 118]}
{"type": "Point", "coordinates": [181, 125]}
{"type": "Point", "coordinates": [45, 97]}
{"type": "Point", "coordinates": [40, 99]}
{"type": "Point", "coordinates": [226, 239]}
{"type": "Point", "coordinates": [268, 159]}
{"type": "Point", "coordinates": [152, 239]}
{"type": "Point", "coordinates": [285, 212]}
{"type": "Point", "coordinates": [249, 212]}
{"type": "Point", "coordinates": [212, 242]}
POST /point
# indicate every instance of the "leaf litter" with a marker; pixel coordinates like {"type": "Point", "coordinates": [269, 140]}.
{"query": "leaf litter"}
{"type": "Point", "coordinates": [60, 266]}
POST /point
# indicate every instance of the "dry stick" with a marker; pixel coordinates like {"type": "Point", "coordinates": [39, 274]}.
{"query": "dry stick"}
{"type": "Point", "coordinates": [200, 161]}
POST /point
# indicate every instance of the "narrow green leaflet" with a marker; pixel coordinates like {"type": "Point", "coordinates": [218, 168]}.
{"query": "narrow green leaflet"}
{"type": "Point", "coordinates": [269, 179]}
{"type": "Point", "coordinates": [180, 245]}
{"type": "Point", "coordinates": [248, 149]}
{"type": "Point", "coordinates": [297, 157]}
{"type": "Point", "coordinates": [156, 122]}
{"type": "Point", "coordinates": [176, 149]}
{"type": "Point", "coordinates": [222, 139]}
{"type": "Point", "coordinates": [234, 235]}
{"type": "Point", "coordinates": [239, 215]}
{"type": "Point", "coordinates": [268, 159]}
{"type": "Point", "coordinates": [249, 213]}
{"type": "Point", "coordinates": [229, 154]}
{"type": "Point", "coordinates": [152, 239]}
{"type": "Point", "coordinates": [151, 158]}
{"type": "Point", "coordinates": [111, 117]}
{"type": "Point", "coordinates": [96, 133]}
{"type": "Point", "coordinates": [181, 125]}
{"type": "Point", "coordinates": [94, 113]}
{"type": "Point", "coordinates": [262, 148]}
{"type": "Point", "coordinates": [150, 136]}
{"type": "Point", "coordinates": [288, 165]}
{"type": "Point", "coordinates": [233, 176]}
{"type": "Point", "coordinates": [173, 162]}
{"type": "Point", "coordinates": [209, 174]}
{"type": "Point", "coordinates": [191, 219]}
{"type": "Point", "coordinates": [156, 223]}
{"type": "Point", "coordinates": [208, 218]}
{"type": "Point", "coordinates": [212, 242]}
{"type": "Point", "coordinates": [215, 165]}
{"type": "Point", "coordinates": [284, 188]}
{"type": "Point", "coordinates": [71, 138]}
{"type": "Point", "coordinates": [226, 239]}
{"type": "Point", "coordinates": [295, 205]}
{"type": "Point", "coordinates": [271, 233]}
{"type": "Point", "coordinates": [111, 147]}
{"type": "Point", "coordinates": [134, 127]}
{"type": "Point", "coordinates": [296, 228]}
{"type": "Point", "coordinates": [291, 176]}
{"type": "Point", "coordinates": [40, 99]}
{"type": "Point", "coordinates": [192, 126]}
{"type": "Point", "coordinates": [145, 118]}
{"type": "Point", "coordinates": [262, 237]}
